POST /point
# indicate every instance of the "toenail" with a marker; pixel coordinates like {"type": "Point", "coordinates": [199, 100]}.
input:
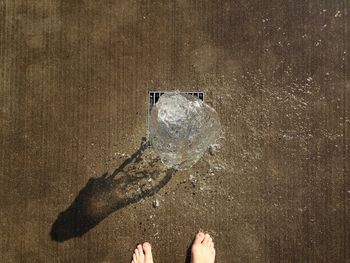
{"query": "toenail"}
{"type": "Point", "coordinates": [147, 245]}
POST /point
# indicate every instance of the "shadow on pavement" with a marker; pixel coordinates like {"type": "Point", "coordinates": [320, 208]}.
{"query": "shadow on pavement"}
{"type": "Point", "coordinates": [108, 193]}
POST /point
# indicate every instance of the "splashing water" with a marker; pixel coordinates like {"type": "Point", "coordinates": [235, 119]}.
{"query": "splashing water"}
{"type": "Point", "coordinates": [182, 127]}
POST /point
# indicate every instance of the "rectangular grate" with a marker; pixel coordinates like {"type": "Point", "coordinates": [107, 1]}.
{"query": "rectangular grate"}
{"type": "Point", "coordinates": [153, 97]}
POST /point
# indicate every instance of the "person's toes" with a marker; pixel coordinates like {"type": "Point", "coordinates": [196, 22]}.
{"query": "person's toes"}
{"type": "Point", "coordinates": [140, 250]}
{"type": "Point", "coordinates": [136, 251]}
{"type": "Point", "coordinates": [206, 239]}
{"type": "Point", "coordinates": [147, 247]}
{"type": "Point", "coordinates": [134, 258]}
{"type": "Point", "coordinates": [211, 245]}
{"type": "Point", "coordinates": [148, 252]}
{"type": "Point", "coordinates": [199, 238]}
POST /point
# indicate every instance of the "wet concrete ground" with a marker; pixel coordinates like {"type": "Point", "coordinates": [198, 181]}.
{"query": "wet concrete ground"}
{"type": "Point", "coordinates": [73, 97]}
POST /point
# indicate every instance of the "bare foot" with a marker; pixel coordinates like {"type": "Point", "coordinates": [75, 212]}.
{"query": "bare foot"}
{"type": "Point", "coordinates": [142, 254]}
{"type": "Point", "coordinates": [203, 250]}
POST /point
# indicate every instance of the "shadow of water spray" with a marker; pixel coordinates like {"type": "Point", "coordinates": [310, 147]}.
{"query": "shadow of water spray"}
{"type": "Point", "coordinates": [132, 181]}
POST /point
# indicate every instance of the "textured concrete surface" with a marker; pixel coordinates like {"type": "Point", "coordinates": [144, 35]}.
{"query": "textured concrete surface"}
{"type": "Point", "coordinates": [74, 77]}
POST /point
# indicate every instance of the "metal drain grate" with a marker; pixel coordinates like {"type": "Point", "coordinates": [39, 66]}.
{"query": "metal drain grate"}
{"type": "Point", "coordinates": [153, 97]}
